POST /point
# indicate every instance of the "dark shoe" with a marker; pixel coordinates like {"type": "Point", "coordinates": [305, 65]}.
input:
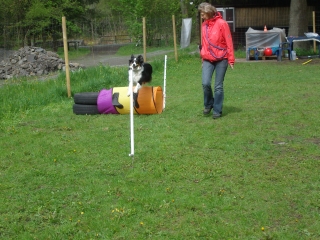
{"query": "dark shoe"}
{"type": "Point", "coordinates": [216, 115]}
{"type": "Point", "coordinates": [206, 111]}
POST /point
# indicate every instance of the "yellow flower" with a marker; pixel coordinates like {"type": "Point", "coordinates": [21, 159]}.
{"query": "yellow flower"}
{"type": "Point", "coordinates": [82, 213]}
{"type": "Point", "coordinates": [141, 223]}
{"type": "Point", "coordinates": [262, 228]}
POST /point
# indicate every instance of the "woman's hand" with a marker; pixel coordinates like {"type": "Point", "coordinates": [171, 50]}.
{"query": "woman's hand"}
{"type": "Point", "coordinates": [231, 65]}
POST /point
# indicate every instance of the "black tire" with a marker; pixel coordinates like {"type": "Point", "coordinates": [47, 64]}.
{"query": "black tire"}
{"type": "Point", "coordinates": [82, 109]}
{"type": "Point", "coordinates": [87, 98]}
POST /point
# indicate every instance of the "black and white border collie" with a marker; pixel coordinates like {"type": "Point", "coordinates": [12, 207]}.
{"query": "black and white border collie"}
{"type": "Point", "coordinates": [141, 73]}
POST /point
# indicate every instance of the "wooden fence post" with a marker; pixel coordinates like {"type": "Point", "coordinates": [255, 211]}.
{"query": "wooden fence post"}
{"type": "Point", "coordinates": [314, 30]}
{"type": "Point", "coordinates": [66, 57]}
{"type": "Point", "coordinates": [174, 37]}
{"type": "Point", "coordinates": [144, 39]}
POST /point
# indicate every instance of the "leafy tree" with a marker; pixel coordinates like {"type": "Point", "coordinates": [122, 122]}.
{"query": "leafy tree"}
{"type": "Point", "coordinates": [34, 17]}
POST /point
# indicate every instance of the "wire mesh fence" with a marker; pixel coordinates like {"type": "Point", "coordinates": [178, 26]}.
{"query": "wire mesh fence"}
{"type": "Point", "coordinates": [159, 31]}
{"type": "Point", "coordinates": [101, 33]}
{"type": "Point", "coordinates": [105, 31]}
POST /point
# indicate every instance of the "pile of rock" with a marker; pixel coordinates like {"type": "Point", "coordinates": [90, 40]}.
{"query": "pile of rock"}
{"type": "Point", "coordinates": [32, 61]}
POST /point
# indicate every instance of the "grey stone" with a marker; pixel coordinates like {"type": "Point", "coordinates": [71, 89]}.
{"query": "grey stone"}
{"type": "Point", "coordinates": [29, 61]}
{"type": "Point", "coordinates": [31, 57]}
{"type": "Point", "coordinates": [40, 72]}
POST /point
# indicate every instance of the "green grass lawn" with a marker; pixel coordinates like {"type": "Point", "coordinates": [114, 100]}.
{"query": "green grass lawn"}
{"type": "Point", "coordinates": [252, 174]}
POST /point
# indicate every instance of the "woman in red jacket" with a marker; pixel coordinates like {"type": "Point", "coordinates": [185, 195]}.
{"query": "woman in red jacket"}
{"type": "Point", "coordinates": [216, 52]}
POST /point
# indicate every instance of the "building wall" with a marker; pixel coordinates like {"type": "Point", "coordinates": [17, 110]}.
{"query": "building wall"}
{"type": "Point", "coordinates": [271, 16]}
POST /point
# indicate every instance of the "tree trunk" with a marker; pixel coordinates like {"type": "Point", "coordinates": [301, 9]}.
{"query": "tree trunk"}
{"type": "Point", "coordinates": [184, 8]}
{"type": "Point", "coordinates": [298, 23]}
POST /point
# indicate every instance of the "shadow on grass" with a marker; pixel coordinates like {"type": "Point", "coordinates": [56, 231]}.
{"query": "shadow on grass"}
{"type": "Point", "coordinates": [230, 110]}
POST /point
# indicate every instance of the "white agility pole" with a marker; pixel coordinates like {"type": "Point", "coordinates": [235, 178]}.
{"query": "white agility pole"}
{"type": "Point", "coordinates": [164, 82]}
{"type": "Point", "coordinates": [131, 113]}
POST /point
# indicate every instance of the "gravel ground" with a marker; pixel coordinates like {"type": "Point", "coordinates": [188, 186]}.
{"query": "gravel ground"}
{"type": "Point", "coordinates": [100, 55]}
{"type": "Point", "coordinates": [106, 56]}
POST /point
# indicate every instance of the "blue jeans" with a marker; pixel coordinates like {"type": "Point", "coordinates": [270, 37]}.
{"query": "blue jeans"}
{"type": "Point", "coordinates": [214, 101]}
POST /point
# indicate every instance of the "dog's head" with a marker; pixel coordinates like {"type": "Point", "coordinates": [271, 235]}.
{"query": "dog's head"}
{"type": "Point", "coordinates": [136, 62]}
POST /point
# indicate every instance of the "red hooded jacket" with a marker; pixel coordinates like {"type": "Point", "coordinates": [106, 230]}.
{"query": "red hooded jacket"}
{"type": "Point", "coordinates": [216, 40]}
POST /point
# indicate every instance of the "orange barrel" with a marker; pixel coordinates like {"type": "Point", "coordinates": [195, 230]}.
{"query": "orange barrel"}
{"type": "Point", "coordinates": [150, 100]}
